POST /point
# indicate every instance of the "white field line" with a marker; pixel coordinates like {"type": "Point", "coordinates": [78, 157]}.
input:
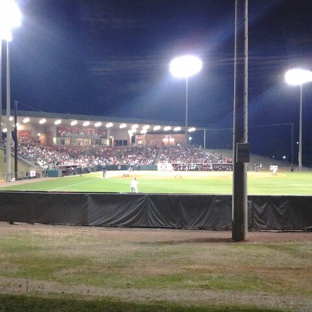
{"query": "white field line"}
{"type": "Point", "coordinates": [98, 176]}
{"type": "Point", "coordinates": [73, 184]}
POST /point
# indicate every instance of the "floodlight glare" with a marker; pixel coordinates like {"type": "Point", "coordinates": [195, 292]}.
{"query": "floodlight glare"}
{"type": "Point", "coordinates": [185, 66]}
{"type": "Point", "coordinates": [298, 76]}
{"type": "Point", "coordinates": [10, 17]}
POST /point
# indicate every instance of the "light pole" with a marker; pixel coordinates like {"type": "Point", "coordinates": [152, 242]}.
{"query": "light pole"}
{"type": "Point", "coordinates": [185, 67]}
{"type": "Point", "coordinates": [297, 77]}
{"type": "Point", "coordinates": [10, 17]}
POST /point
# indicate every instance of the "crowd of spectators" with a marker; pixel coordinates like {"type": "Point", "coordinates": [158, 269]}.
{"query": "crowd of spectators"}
{"type": "Point", "coordinates": [177, 154]}
{"type": "Point", "coordinates": [139, 155]}
{"type": "Point", "coordinates": [51, 157]}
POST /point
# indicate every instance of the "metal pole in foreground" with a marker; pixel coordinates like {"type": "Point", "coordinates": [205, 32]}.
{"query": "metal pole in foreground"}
{"type": "Point", "coordinates": [15, 142]}
{"type": "Point", "coordinates": [0, 89]}
{"type": "Point", "coordinates": [186, 109]}
{"type": "Point", "coordinates": [292, 143]}
{"type": "Point", "coordinates": [300, 132]}
{"type": "Point", "coordinates": [240, 124]}
{"type": "Point", "coordinates": [8, 113]}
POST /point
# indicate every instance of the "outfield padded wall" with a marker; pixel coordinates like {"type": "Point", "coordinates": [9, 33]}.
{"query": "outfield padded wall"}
{"type": "Point", "coordinates": [211, 212]}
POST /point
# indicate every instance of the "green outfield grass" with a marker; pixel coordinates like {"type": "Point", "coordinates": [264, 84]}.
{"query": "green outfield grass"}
{"type": "Point", "coordinates": [259, 183]}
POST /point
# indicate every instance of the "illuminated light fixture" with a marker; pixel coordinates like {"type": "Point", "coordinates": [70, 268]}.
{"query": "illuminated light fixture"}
{"type": "Point", "coordinates": [25, 120]}
{"type": "Point", "coordinates": [122, 126]}
{"type": "Point", "coordinates": [10, 18]}
{"type": "Point", "coordinates": [97, 124]}
{"type": "Point", "coordinates": [167, 128]}
{"type": "Point", "coordinates": [4, 130]}
{"type": "Point", "coordinates": [86, 123]}
{"type": "Point", "coordinates": [109, 125]}
{"type": "Point", "coordinates": [146, 127]}
{"type": "Point", "coordinates": [39, 134]}
{"type": "Point", "coordinates": [185, 67]}
{"type": "Point", "coordinates": [42, 121]}
{"type": "Point", "coordinates": [57, 122]}
{"type": "Point", "coordinates": [17, 125]}
{"type": "Point", "coordinates": [156, 128]}
{"type": "Point", "coordinates": [11, 118]}
{"type": "Point", "coordinates": [74, 122]}
{"type": "Point", "coordinates": [191, 129]}
{"type": "Point", "coordinates": [177, 129]}
{"type": "Point", "coordinates": [298, 76]}
{"type": "Point", "coordinates": [143, 131]}
{"type": "Point", "coordinates": [134, 126]}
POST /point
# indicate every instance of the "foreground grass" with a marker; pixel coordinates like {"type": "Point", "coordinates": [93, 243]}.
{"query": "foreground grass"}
{"type": "Point", "coordinates": [260, 183]}
{"type": "Point", "coordinates": [55, 268]}
{"type": "Point", "coordinates": [10, 303]}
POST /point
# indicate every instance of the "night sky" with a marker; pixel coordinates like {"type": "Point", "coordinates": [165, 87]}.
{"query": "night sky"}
{"type": "Point", "coordinates": [111, 58]}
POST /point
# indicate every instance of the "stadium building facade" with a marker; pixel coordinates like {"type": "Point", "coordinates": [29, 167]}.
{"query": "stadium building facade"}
{"type": "Point", "coordinates": [84, 130]}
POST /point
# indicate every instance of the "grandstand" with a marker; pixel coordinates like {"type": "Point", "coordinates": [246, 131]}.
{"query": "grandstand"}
{"type": "Point", "coordinates": [79, 143]}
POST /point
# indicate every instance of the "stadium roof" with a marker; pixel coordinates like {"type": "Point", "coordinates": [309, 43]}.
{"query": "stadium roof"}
{"type": "Point", "coordinates": [67, 119]}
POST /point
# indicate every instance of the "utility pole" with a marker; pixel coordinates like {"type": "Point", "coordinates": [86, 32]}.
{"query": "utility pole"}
{"type": "Point", "coordinates": [240, 124]}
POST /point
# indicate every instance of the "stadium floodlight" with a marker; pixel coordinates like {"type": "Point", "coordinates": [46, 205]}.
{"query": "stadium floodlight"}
{"type": "Point", "coordinates": [10, 17]}
{"type": "Point", "coordinates": [297, 77]}
{"type": "Point", "coordinates": [185, 67]}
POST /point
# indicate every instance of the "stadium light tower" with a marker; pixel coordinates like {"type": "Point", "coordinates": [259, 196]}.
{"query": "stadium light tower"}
{"type": "Point", "coordinates": [185, 67]}
{"type": "Point", "coordinates": [297, 77]}
{"type": "Point", "coordinates": [10, 17]}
